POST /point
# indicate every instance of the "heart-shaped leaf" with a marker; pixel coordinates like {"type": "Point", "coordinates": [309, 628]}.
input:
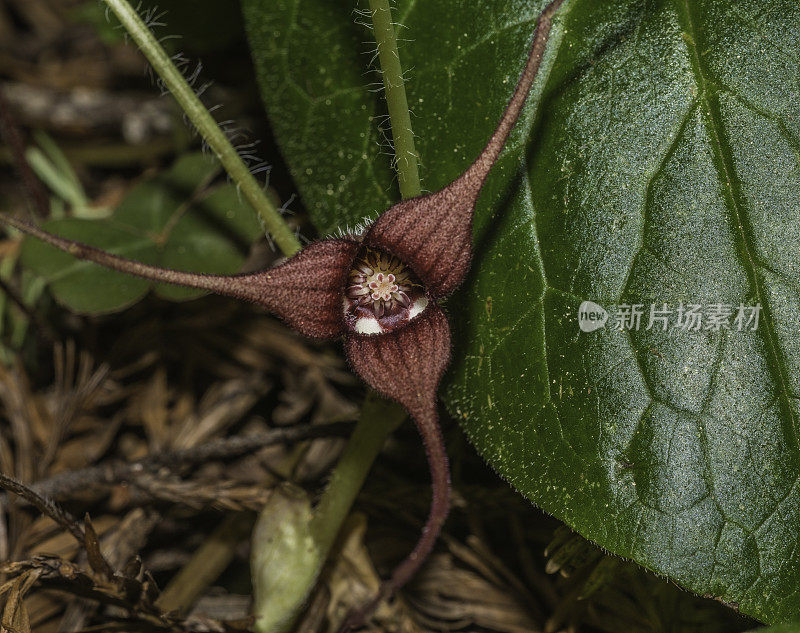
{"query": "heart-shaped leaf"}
{"type": "Point", "coordinates": [173, 220]}
{"type": "Point", "coordinates": [659, 164]}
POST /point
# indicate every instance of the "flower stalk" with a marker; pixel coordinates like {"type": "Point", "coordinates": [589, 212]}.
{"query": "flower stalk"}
{"type": "Point", "coordinates": [206, 125]}
{"type": "Point", "coordinates": [379, 418]}
{"type": "Point", "coordinates": [406, 160]}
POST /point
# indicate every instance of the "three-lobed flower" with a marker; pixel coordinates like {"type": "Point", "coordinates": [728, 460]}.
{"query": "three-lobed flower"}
{"type": "Point", "coordinates": [380, 290]}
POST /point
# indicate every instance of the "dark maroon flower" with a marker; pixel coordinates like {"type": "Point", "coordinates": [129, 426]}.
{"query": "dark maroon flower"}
{"type": "Point", "coordinates": [380, 291]}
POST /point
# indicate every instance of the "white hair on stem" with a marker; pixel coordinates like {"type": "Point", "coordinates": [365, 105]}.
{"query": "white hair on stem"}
{"type": "Point", "coordinates": [237, 136]}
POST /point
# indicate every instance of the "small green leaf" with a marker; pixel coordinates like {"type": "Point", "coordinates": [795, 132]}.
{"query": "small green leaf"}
{"type": "Point", "coordinates": [223, 208]}
{"type": "Point", "coordinates": [82, 286]}
{"type": "Point", "coordinates": [170, 221]}
{"type": "Point", "coordinates": [190, 171]}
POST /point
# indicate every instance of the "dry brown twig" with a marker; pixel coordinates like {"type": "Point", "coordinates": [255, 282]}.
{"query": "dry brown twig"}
{"type": "Point", "coordinates": [63, 485]}
{"type": "Point", "coordinates": [45, 506]}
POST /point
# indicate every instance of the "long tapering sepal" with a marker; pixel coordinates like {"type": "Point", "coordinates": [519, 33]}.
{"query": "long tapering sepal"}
{"type": "Point", "coordinates": [433, 233]}
{"type": "Point", "coordinates": [407, 366]}
{"type": "Point", "coordinates": [306, 290]}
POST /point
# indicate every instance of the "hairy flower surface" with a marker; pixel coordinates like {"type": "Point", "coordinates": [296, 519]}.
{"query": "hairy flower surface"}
{"type": "Point", "coordinates": [380, 292]}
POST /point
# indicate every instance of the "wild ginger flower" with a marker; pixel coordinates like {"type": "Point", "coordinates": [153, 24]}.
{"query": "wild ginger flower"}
{"type": "Point", "coordinates": [380, 290]}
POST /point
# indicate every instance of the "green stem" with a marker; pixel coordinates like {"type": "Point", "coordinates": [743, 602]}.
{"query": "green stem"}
{"type": "Point", "coordinates": [379, 418]}
{"type": "Point", "coordinates": [399, 114]}
{"type": "Point", "coordinates": [201, 118]}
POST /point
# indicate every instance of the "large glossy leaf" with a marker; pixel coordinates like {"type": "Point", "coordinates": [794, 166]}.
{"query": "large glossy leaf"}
{"type": "Point", "coordinates": [659, 163]}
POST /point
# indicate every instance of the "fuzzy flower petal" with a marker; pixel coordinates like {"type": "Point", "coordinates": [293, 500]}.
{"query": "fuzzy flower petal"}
{"type": "Point", "coordinates": [406, 365]}
{"type": "Point", "coordinates": [432, 234]}
{"type": "Point", "coordinates": [306, 290]}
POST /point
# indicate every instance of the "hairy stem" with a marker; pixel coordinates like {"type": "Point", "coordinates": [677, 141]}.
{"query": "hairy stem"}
{"type": "Point", "coordinates": [201, 118]}
{"type": "Point", "coordinates": [405, 153]}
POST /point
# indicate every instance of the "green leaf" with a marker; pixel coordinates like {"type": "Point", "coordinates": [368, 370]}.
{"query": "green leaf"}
{"type": "Point", "coordinates": [659, 161]}
{"type": "Point", "coordinates": [172, 221]}
{"type": "Point", "coordinates": [792, 627]}
{"type": "Point", "coordinates": [84, 287]}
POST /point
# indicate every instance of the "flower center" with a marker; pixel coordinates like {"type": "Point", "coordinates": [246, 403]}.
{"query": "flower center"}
{"type": "Point", "coordinates": [382, 293]}
{"type": "Point", "coordinates": [382, 286]}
